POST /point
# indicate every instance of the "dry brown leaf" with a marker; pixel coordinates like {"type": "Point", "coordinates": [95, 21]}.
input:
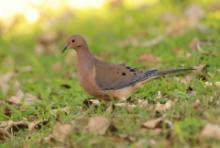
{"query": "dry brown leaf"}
{"type": "Point", "coordinates": [157, 125]}
{"type": "Point", "coordinates": [211, 131]}
{"type": "Point", "coordinates": [148, 58]}
{"type": "Point", "coordinates": [11, 127]}
{"type": "Point", "coordinates": [61, 131]}
{"type": "Point", "coordinates": [152, 124]}
{"type": "Point", "coordinates": [99, 125]}
{"type": "Point", "coordinates": [21, 97]}
{"type": "Point", "coordinates": [17, 99]}
{"type": "Point", "coordinates": [163, 107]}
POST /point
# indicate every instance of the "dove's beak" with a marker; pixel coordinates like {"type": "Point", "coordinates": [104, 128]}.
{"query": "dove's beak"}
{"type": "Point", "coordinates": [65, 48]}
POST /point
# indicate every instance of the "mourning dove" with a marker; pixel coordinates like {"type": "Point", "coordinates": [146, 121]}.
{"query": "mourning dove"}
{"type": "Point", "coordinates": [105, 80]}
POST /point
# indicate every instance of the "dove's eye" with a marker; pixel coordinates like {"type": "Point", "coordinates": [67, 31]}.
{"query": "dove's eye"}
{"type": "Point", "coordinates": [73, 40]}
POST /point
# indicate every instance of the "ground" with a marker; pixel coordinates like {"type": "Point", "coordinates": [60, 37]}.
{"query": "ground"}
{"type": "Point", "coordinates": [167, 35]}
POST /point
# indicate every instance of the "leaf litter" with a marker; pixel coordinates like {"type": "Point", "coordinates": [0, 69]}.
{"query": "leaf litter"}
{"type": "Point", "coordinates": [211, 131]}
{"type": "Point", "coordinates": [9, 128]}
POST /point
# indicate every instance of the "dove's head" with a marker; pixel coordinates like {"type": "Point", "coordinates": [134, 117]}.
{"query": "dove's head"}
{"type": "Point", "coordinates": [75, 42]}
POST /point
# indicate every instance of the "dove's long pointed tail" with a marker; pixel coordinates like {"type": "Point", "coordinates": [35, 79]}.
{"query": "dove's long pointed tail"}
{"type": "Point", "coordinates": [156, 73]}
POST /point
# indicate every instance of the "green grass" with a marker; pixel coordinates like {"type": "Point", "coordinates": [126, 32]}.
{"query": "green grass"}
{"type": "Point", "coordinates": [103, 32]}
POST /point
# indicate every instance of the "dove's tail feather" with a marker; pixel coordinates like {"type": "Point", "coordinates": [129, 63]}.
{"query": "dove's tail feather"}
{"type": "Point", "coordinates": [156, 73]}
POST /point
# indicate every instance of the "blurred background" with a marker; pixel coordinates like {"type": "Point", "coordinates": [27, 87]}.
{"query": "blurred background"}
{"type": "Point", "coordinates": [145, 34]}
{"type": "Point", "coordinates": [150, 32]}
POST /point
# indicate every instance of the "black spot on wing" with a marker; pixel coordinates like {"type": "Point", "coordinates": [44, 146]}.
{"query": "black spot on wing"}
{"type": "Point", "coordinates": [123, 74]}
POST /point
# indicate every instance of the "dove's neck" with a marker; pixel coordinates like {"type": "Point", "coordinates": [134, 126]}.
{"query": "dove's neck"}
{"type": "Point", "coordinates": [85, 61]}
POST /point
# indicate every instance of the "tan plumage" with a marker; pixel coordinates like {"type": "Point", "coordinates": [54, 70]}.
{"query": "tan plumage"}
{"type": "Point", "coordinates": [104, 80]}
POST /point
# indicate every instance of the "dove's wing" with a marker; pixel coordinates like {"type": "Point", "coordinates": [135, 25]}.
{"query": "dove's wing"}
{"type": "Point", "coordinates": [113, 77]}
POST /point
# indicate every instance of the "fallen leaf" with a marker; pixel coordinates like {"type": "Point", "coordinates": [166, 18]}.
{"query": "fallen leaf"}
{"type": "Point", "coordinates": [99, 125]}
{"type": "Point", "coordinates": [148, 58]}
{"type": "Point", "coordinates": [163, 107]}
{"type": "Point", "coordinates": [17, 99]}
{"type": "Point", "coordinates": [157, 125]}
{"type": "Point", "coordinates": [21, 97]}
{"type": "Point", "coordinates": [10, 127]}
{"type": "Point", "coordinates": [152, 124]}
{"type": "Point", "coordinates": [211, 131]}
{"type": "Point", "coordinates": [61, 131]}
